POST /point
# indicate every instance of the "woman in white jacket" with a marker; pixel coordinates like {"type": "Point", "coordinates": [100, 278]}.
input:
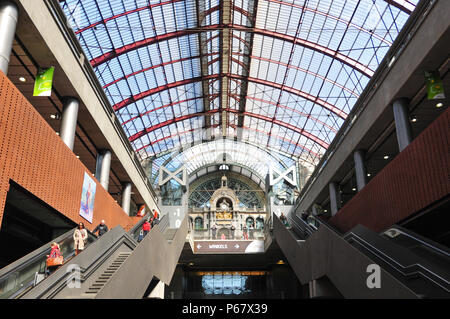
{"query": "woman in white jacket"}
{"type": "Point", "coordinates": [79, 237]}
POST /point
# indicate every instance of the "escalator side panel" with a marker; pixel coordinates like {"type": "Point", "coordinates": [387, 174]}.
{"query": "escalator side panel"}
{"type": "Point", "coordinates": [153, 257]}
{"type": "Point", "coordinates": [325, 253]}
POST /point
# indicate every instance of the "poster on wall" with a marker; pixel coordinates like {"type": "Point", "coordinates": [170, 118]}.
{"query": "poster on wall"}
{"type": "Point", "coordinates": [43, 82]}
{"type": "Point", "coordinates": [87, 198]}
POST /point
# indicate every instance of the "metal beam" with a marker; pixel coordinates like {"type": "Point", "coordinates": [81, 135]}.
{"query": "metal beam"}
{"type": "Point", "coordinates": [300, 93]}
{"type": "Point", "coordinates": [217, 27]}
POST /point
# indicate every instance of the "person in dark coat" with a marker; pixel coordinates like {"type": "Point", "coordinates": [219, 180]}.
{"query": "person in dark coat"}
{"type": "Point", "coordinates": [101, 228]}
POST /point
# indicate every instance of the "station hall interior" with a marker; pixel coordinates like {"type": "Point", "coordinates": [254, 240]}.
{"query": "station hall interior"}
{"type": "Point", "coordinates": [235, 149]}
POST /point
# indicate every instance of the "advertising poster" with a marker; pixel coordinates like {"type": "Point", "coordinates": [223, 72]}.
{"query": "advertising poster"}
{"type": "Point", "coordinates": [43, 83]}
{"type": "Point", "coordinates": [87, 198]}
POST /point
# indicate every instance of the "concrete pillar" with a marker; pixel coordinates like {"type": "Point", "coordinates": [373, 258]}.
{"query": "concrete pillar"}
{"type": "Point", "coordinates": [360, 169]}
{"type": "Point", "coordinates": [402, 124]}
{"type": "Point", "coordinates": [126, 197]}
{"type": "Point", "coordinates": [102, 168]}
{"type": "Point", "coordinates": [8, 21]}
{"type": "Point", "coordinates": [335, 198]}
{"type": "Point", "coordinates": [69, 121]}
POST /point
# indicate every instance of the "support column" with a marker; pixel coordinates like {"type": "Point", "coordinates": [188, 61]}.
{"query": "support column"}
{"type": "Point", "coordinates": [335, 198]}
{"type": "Point", "coordinates": [402, 125]}
{"type": "Point", "coordinates": [69, 121]}
{"type": "Point", "coordinates": [8, 21]}
{"type": "Point", "coordinates": [126, 198]}
{"type": "Point", "coordinates": [102, 167]}
{"type": "Point", "coordinates": [360, 169]}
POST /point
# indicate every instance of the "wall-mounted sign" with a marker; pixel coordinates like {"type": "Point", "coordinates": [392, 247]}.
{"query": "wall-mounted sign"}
{"type": "Point", "coordinates": [435, 88]}
{"type": "Point", "coordinates": [228, 246]}
{"type": "Point", "coordinates": [43, 83]}
{"type": "Point", "coordinates": [87, 198]}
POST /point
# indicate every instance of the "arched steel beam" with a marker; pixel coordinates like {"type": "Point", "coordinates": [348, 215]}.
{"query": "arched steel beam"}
{"type": "Point", "coordinates": [307, 96]}
{"type": "Point", "coordinates": [212, 96]}
{"type": "Point", "coordinates": [156, 66]}
{"type": "Point", "coordinates": [310, 45]}
{"type": "Point", "coordinates": [244, 127]}
{"type": "Point", "coordinates": [308, 135]}
{"type": "Point", "coordinates": [403, 5]}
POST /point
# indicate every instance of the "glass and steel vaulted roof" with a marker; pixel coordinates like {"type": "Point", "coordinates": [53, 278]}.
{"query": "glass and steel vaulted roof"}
{"type": "Point", "coordinates": [279, 74]}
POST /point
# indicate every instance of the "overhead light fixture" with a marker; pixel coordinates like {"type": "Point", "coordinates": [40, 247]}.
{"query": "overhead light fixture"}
{"type": "Point", "coordinates": [22, 79]}
{"type": "Point", "coordinates": [191, 264]}
{"type": "Point", "coordinates": [280, 262]}
{"type": "Point", "coordinates": [386, 156]}
{"type": "Point", "coordinates": [57, 133]}
{"type": "Point", "coordinates": [55, 116]}
{"type": "Point", "coordinates": [414, 120]}
{"type": "Point", "coordinates": [439, 105]}
{"type": "Point", "coordinates": [353, 189]}
{"type": "Point", "coordinates": [78, 156]}
{"type": "Point", "coordinates": [325, 210]}
{"type": "Point", "coordinates": [368, 174]}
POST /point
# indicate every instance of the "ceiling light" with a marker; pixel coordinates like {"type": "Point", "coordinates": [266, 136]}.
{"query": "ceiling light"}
{"type": "Point", "coordinates": [414, 120]}
{"type": "Point", "coordinates": [57, 133]}
{"type": "Point", "coordinates": [22, 79]}
{"type": "Point", "coordinates": [280, 262]}
{"type": "Point", "coordinates": [386, 156]}
{"type": "Point", "coordinates": [439, 104]}
{"type": "Point", "coordinates": [368, 174]}
{"type": "Point", "coordinates": [55, 116]}
{"type": "Point", "coordinates": [353, 189]}
{"type": "Point", "coordinates": [78, 156]}
{"type": "Point", "coordinates": [325, 210]}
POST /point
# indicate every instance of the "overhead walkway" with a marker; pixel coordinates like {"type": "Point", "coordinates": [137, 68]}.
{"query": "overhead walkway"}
{"type": "Point", "coordinates": [114, 260]}
{"type": "Point", "coordinates": [410, 266]}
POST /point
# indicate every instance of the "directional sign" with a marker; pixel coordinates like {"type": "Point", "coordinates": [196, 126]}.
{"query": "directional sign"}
{"type": "Point", "coordinates": [228, 246]}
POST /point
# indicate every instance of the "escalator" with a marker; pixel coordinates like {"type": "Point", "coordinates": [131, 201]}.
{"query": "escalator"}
{"type": "Point", "coordinates": [19, 277]}
{"type": "Point", "coordinates": [409, 266]}
{"type": "Point", "coordinates": [102, 262]}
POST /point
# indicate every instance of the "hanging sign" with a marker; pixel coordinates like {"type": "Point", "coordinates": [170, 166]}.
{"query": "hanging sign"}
{"type": "Point", "coordinates": [87, 198]}
{"type": "Point", "coordinates": [435, 88]}
{"type": "Point", "coordinates": [43, 82]}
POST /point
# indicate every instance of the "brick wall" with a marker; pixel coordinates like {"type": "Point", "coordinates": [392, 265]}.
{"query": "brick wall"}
{"type": "Point", "coordinates": [32, 155]}
{"type": "Point", "coordinates": [414, 179]}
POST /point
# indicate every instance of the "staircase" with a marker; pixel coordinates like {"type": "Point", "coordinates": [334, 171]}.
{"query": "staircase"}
{"type": "Point", "coordinates": [106, 275]}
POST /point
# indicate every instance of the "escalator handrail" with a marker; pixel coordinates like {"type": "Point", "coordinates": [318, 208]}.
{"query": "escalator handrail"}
{"type": "Point", "coordinates": [419, 239]}
{"type": "Point", "coordinates": [404, 270]}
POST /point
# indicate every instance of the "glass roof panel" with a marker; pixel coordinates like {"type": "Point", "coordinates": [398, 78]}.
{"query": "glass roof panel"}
{"type": "Point", "coordinates": [282, 74]}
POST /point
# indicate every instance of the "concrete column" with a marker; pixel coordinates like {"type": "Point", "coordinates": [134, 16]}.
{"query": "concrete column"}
{"type": "Point", "coordinates": [360, 169]}
{"type": "Point", "coordinates": [402, 124]}
{"type": "Point", "coordinates": [335, 198]}
{"type": "Point", "coordinates": [126, 197]}
{"type": "Point", "coordinates": [8, 21]}
{"type": "Point", "coordinates": [102, 168]}
{"type": "Point", "coordinates": [69, 121]}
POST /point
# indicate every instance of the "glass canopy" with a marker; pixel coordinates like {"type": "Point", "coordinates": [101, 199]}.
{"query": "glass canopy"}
{"type": "Point", "coordinates": [282, 75]}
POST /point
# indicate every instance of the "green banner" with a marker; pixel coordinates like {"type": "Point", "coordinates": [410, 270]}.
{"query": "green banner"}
{"type": "Point", "coordinates": [43, 83]}
{"type": "Point", "coordinates": [435, 88]}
